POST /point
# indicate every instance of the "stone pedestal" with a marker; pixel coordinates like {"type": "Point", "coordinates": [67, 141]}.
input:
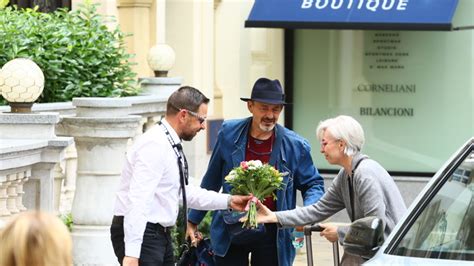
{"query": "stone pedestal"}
{"type": "Point", "coordinates": [101, 129]}
{"type": "Point", "coordinates": [159, 86]}
{"type": "Point", "coordinates": [101, 143]}
{"type": "Point", "coordinates": [163, 87]}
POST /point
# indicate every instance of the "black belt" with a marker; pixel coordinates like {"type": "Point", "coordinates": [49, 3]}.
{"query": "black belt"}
{"type": "Point", "coordinates": [157, 226]}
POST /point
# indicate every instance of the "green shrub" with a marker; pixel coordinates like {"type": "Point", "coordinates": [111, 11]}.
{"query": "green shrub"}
{"type": "Point", "coordinates": [79, 55]}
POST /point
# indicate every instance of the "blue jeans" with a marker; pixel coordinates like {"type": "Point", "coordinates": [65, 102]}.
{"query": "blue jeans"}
{"type": "Point", "coordinates": [263, 251]}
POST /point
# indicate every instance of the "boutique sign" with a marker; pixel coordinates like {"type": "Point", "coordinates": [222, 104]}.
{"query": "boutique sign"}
{"type": "Point", "coordinates": [353, 14]}
{"type": "Point", "coordinates": [370, 5]}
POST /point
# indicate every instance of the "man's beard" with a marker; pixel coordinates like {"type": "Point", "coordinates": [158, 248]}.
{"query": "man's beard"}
{"type": "Point", "coordinates": [188, 136]}
{"type": "Point", "coordinates": [265, 128]}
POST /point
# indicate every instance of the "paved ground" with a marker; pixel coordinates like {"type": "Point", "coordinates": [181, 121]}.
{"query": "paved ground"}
{"type": "Point", "coordinates": [322, 252]}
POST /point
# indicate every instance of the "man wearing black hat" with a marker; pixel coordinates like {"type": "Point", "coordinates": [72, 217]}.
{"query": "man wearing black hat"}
{"type": "Point", "coordinates": [259, 137]}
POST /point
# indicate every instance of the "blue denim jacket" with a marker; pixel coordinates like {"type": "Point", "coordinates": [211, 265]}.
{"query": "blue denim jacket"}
{"type": "Point", "coordinates": [291, 153]}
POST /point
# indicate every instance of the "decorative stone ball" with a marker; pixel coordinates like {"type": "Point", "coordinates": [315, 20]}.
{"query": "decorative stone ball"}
{"type": "Point", "coordinates": [161, 57]}
{"type": "Point", "coordinates": [21, 80]}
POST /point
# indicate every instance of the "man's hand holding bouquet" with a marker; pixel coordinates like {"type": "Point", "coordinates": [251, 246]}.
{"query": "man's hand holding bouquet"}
{"type": "Point", "coordinates": [257, 179]}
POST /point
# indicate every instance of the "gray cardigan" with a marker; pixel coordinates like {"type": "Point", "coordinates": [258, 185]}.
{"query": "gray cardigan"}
{"type": "Point", "coordinates": [375, 194]}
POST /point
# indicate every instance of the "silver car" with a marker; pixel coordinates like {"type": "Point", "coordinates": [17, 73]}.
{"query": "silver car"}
{"type": "Point", "coordinates": [438, 228]}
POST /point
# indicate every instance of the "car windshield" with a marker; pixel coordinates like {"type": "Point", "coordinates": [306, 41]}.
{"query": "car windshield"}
{"type": "Point", "coordinates": [445, 228]}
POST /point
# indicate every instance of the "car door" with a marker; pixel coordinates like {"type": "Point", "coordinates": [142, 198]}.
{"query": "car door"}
{"type": "Point", "coordinates": [438, 228]}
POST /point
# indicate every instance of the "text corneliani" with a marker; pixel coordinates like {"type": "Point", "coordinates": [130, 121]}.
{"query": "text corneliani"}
{"type": "Point", "coordinates": [393, 88]}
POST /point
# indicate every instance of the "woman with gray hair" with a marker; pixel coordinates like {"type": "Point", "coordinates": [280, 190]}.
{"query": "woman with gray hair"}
{"type": "Point", "coordinates": [363, 187]}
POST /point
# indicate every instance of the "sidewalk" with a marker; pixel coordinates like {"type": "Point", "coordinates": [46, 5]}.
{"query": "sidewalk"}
{"type": "Point", "coordinates": [322, 252]}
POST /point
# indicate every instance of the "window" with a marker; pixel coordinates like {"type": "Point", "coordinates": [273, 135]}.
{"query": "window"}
{"type": "Point", "coordinates": [445, 227]}
{"type": "Point", "coordinates": [408, 89]}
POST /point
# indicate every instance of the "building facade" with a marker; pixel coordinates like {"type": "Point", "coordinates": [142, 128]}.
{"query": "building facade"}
{"type": "Point", "coordinates": [412, 89]}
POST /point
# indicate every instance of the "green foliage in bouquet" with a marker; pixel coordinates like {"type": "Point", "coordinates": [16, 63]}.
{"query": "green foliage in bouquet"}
{"type": "Point", "coordinates": [260, 180]}
{"type": "Point", "coordinates": [79, 55]}
{"type": "Point", "coordinates": [3, 3]}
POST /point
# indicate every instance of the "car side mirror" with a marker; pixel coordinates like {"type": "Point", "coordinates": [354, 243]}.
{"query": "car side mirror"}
{"type": "Point", "coordinates": [364, 237]}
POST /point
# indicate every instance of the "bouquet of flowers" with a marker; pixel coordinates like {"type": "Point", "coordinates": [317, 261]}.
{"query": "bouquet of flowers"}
{"type": "Point", "coordinates": [257, 179]}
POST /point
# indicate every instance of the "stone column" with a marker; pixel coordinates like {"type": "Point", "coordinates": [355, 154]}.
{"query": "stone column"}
{"type": "Point", "coordinates": [22, 178]}
{"type": "Point", "coordinates": [57, 186]}
{"type": "Point", "coordinates": [3, 196]}
{"type": "Point", "coordinates": [101, 144]}
{"type": "Point", "coordinates": [44, 174]}
{"type": "Point", "coordinates": [4, 213]}
{"type": "Point", "coordinates": [69, 185]}
{"type": "Point", "coordinates": [11, 194]}
{"type": "Point", "coordinates": [134, 17]}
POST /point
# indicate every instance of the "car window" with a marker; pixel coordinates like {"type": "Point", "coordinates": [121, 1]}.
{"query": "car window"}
{"type": "Point", "coordinates": [445, 228]}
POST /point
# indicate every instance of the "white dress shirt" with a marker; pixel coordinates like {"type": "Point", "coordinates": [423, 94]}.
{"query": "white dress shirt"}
{"type": "Point", "coordinates": [149, 189]}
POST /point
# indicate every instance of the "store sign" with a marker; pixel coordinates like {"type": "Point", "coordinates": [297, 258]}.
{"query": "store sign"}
{"type": "Point", "coordinates": [385, 58]}
{"type": "Point", "coordinates": [370, 5]}
{"type": "Point", "coordinates": [353, 14]}
{"type": "Point", "coordinates": [389, 88]}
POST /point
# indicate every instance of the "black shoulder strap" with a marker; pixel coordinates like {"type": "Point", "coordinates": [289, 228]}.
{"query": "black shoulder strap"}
{"type": "Point", "coordinates": [183, 172]}
{"type": "Point", "coordinates": [350, 181]}
{"type": "Point", "coordinates": [357, 165]}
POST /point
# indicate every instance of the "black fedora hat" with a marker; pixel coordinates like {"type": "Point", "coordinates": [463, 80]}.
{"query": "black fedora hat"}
{"type": "Point", "coordinates": [267, 91]}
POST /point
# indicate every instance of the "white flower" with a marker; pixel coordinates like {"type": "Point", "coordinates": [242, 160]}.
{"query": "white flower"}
{"type": "Point", "coordinates": [254, 164]}
{"type": "Point", "coordinates": [231, 176]}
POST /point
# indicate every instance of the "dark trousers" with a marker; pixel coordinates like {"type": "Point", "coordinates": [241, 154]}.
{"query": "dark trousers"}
{"type": "Point", "coordinates": [263, 251]}
{"type": "Point", "coordinates": [157, 248]}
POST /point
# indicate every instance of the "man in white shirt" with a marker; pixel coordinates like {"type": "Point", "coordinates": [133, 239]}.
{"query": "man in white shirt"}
{"type": "Point", "coordinates": [150, 188]}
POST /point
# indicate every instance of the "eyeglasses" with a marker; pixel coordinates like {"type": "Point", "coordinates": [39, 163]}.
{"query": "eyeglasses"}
{"type": "Point", "coordinates": [200, 118]}
{"type": "Point", "coordinates": [324, 144]}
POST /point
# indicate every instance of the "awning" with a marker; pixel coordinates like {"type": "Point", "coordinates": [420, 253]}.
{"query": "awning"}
{"type": "Point", "coordinates": [353, 14]}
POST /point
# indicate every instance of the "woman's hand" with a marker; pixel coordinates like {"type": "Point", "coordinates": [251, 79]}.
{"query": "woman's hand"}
{"type": "Point", "coordinates": [329, 232]}
{"type": "Point", "coordinates": [264, 214]}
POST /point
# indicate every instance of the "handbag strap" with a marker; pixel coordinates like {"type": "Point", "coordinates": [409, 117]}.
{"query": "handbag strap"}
{"type": "Point", "coordinates": [350, 181]}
